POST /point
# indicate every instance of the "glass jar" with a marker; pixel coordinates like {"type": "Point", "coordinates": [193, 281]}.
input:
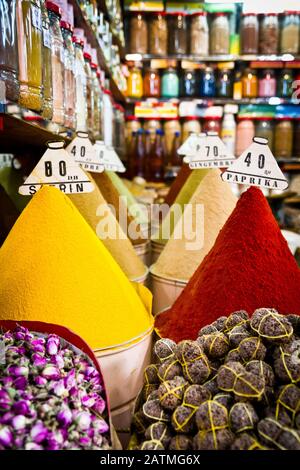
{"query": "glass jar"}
{"type": "Point", "coordinates": [152, 83]}
{"type": "Point", "coordinates": [188, 83]}
{"type": "Point", "coordinates": [225, 84]}
{"type": "Point", "coordinates": [249, 84]}
{"type": "Point", "coordinates": [119, 142]}
{"type": "Point", "coordinates": [170, 83]}
{"type": "Point", "coordinates": [212, 124]}
{"type": "Point", "coordinates": [47, 111]}
{"type": "Point", "coordinates": [29, 21]}
{"type": "Point", "coordinates": [96, 131]}
{"type": "Point", "coordinates": [9, 59]}
{"type": "Point", "coordinates": [158, 34]}
{"type": "Point", "coordinates": [269, 34]}
{"type": "Point", "coordinates": [199, 34]}
{"type": "Point", "coordinates": [285, 83]}
{"type": "Point", "coordinates": [207, 83]}
{"type": "Point", "coordinates": [170, 127]}
{"type": "Point", "coordinates": [283, 145]}
{"type": "Point", "coordinates": [138, 34]}
{"type": "Point", "coordinates": [290, 33]}
{"type": "Point", "coordinates": [80, 81]}
{"type": "Point", "coordinates": [151, 126]}
{"type": "Point", "coordinates": [267, 84]}
{"type": "Point", "coordinates": [177, 37]}
{"type": "Point", "coordinates": [135, 83]}
{"type": "Point", "coordinates": [89, 90]}
{"type": "Point", "coordinates": [264, 128]}
{"type": "Point", "coordinates": [108, 118]}
{"type": "Point", "coordinates": [69, 75]}
{"type": "Point", "coordinates": [245, 131]}
{"type": "Point", "coordinates": [54, 13]}
{"type": "Point", "coordinates": [220, 34]}
{"type": "Point", "coordinates": [190, 124]}
{"type": "Point", "coordinates": [132, 124]}
{"type": "Point", "coordinates": [296, 143]}
{"type": "Point", "coordinates": [249, 33]}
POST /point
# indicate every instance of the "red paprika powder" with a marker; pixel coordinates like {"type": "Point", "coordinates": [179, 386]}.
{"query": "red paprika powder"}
{"type": "Point", "coordinates": [249, 267]}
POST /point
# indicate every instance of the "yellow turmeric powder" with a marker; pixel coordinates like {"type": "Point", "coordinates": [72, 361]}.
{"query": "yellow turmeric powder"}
{"type": "Point", "coordinates": [98, 215]}
{"type": "Point", "coordinates": [53, 268]}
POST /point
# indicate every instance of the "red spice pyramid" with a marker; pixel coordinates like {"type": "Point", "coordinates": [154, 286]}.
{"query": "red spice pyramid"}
{"type": "Point", "coordinates": [250, 266]}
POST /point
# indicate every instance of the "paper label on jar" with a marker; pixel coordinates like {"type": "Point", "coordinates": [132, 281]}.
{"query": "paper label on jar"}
{"type": "Point", "coordinates": [47, 38]}
{"type": "Point", "coordinates": [57, 168]}
{"type": "Point", "coordinates": [257, 167]}
{"type": "Point", "coordinates": [211, 153]}
{"type": "Point", "coordinates": [109, 157]}
{"type": "Point", "coordinates": [36, 17]}
{"type": "Point", "coordinates": [83, 151]}
{"type": "Point", "coordinates": [6, 160]}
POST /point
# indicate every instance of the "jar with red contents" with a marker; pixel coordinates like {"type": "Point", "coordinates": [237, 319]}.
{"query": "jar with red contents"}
{"type": "Point", "coordinates": [152, 83]}
{"type": "Point", "coordinates": [212, 124]}
{"type": "Point", "coordinates": [267, 84]}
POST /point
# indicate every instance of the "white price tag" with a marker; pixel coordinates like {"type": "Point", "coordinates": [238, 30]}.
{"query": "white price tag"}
{"type": "Point", "coordinates": [109, 157]}
{"type": "Point", "coordinates": [6, 160]}
{"type": "Point", "coordinates": [36, 17]}
{"type": "Point", "coordinates": [47, 38]}
{"type": "Point", "coordinates": [191, 146]}
{"type": "Point", "coordinates": [257, 167]}
{"type": "Point", "coordinates": [84, 152]}
{"type": "Point", "coordinates": [57, 168]}
{"type": "Point", "coordinates": [212, 153]}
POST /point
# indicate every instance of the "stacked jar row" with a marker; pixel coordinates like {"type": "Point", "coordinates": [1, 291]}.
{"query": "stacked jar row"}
{"type": "Point", "coordinates": [161, 34]}
{"type": "Point", "coordinates": [44, 67]}
{"type": "Point", "coordinates": [171, 83]}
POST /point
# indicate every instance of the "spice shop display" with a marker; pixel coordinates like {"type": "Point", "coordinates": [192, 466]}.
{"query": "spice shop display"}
{"type": "Point", "coordinates": [234, 387]}
{"type": "Point", "coordinates": [219, 283]}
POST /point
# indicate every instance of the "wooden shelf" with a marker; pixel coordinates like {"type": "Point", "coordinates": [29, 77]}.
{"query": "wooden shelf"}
{"type": "Point", "coordinates": [17, 134]}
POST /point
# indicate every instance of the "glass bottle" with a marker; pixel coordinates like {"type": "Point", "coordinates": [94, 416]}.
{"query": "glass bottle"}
{"type": "Point", "coordinates": [108, 118]}
{"type": "Point", "coordinates": [89, 90]}
{"type": "Point", "coordinates": [175, 162]}
{"type": "Point", "coordinates": [264, 128]}
{"type": "Point", "coordinates": [137, 158]}
{"type": "Point", "coordinates": [290, 33]}
{"type": "Point", "coordinates": [156, 161]}
{"type": "Point", "coordinates": [199, 34]}
{"type": "Point", "coordinates": [96, 105]}
{"type": "Point", "coordinates": [9, 59]}
{"type": "Point", "coordinates": [138, 34]}
{"type": "Point", "coordinates": [170, 127]}
{"type": "Point", "coordinates": [220, 34]}
{"type": "Point", "coordinates": [208, 83]}
{"type": "Point", "coordinates": [269, 34]}
{"type": "Point", "coordinates": [177, 37]}
{"type": "Point", "coordinates": [54, 13]}
{"type": "Point", "coordinates": [228, 132]}
{"type": "Point", "coordinates": [170, 83]}
{"type": "Point", "coordinates": [284, 84]}
{"type": "Point", "coordinates": [29, 21]}
{"type": "Point", "coordinates": [47, 111]}
{"type": "Point", "coordinates": [151, 125]}
{"type": "Point", "coordinates": [158, 34]}
{"type": "Point", "coordinates": [69, 75]}
{"type": "Point", "coordinates": [212, 124]}
{"type": "Point", "coordinates": [224, 84]}
{"type": "Point", "coordinates": [249, 84]}
{"type": "Point", "coordinates": [267, 84]}
{"type": "Point", "coordinates": [237, 85]}
{"type": "Point", "coordinates": [188, 83]}
{"type": "Point", "coordinates": [135, 83]}
{"type": "Point", "coordinates": [80, 82]}
{"type": "Point", "coordinates": [283, 144]}
{"type": "Point", "coordinates": [152, 83]}
{"type": "Point", "coordinates": [249, 33]}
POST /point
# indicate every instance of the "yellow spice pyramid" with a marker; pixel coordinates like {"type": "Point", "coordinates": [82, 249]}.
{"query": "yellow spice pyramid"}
{"type": "Point", "coordinates": [53, 268]}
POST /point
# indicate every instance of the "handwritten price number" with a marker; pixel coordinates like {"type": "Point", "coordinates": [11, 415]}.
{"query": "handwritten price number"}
{"type": "Point", "coordinates": [261, 160]}
{"type": "Point", "coordinates": [61, 168]}
{"type": "Point", "coordinates": [81, 153]}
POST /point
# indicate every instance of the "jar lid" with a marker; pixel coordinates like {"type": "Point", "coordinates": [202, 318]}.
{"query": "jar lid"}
{"type": "Point", "coordinates": [220, 13]}
{"type": "Point", "coordinates": [262, 118]}
{"type": "Point", "coordinates": [53, 7]}
{"type": "Point", "coordinates": [213, 118]}
{"type": "Point", "coordinates": [78, 41]}
{"type": "Point", "coordinates": [131, 118]}
{"type": "Point", "coordinates": [152, 118]}
{"type": "Point", "coordinates": [175, 118]}
{"type": "Point", "coordinates": [177, 13]}
{"type": "Point", "coordinates": [87, 56]}
{"type": "Point", "coordinates": [271, 14]}
{"type": "Point", "coordinates": [199, 13]}
{"type": "Point", "coordinates": [284, 118]}
{"type": "Point", "coordinates": [65, 25]}
{"type": "Point", "coordinates": [249, 14]}
{"type": "Point", "coordinates": [107, 92]}
{"type": "Point", "coordinates": [162, 13]}
{"type": "Point", "coordinates": [94, 66]}
{"type": "Point", "coordinates": [191, 118]}
{"type": "Point", "coordinates": [245, 118]}
{"type": "Point", "coordinates": [291, 12]}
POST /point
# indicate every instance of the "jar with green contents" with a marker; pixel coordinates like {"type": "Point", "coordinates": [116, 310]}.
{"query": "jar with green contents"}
{"type": "Point", "coordinates": [29, 21]}
{"type": "Point", "coordinates": [54, 13]}
{"type": "Point", "coordinates": [170, 84]}
{"type": "Point", "coordinates": [283, 138]}
{"type": "Point", "coordinates": [47, 111]}
{"type": "Point", "coordinates": [264, 128]}
{"type": "Point", "coordinates": [9, 61]}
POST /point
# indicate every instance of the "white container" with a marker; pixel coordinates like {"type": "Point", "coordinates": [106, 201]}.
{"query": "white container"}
{"type": "Point", "coordinates": [156, 249]}
{"type": "Point", "coordinates": [228, 132]}
{"type": "Point", "coordinates": [165, 291]}
{"type": "Point", "coordinates": [122, 367]}
{"type": "Point", "coordinates": [293, 240]}
{"type": "Point", "coordinates": [143, 251]}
